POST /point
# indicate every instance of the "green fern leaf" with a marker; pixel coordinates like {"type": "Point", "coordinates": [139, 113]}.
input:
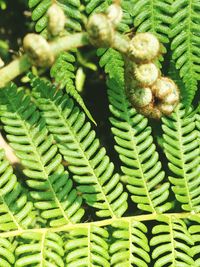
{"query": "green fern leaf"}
{"type": "Point", "coordinates": [71, 9]}
{"type": "Point", "coordinates": [7, 256]}
{"type": "Point", "coordinates": [78, 144]}
{"type": "Point", "coordinates": [98, 6]}
{"type": "Point", "coordinates": [137, 152]}
{"type": "Point", "coordinates": [172, 243]}
{"type": "Point", "coordinates": [40, 249]}
{"type": "Point", "coordinates": [130, 246]}
{"type": "Point", "coordinates": [182, 150]}
{"type": "Point", "coordinates": [194, 230]}
{"type": "Point", "coordinates": [185, 39]}
{"type": "Point", "coordinates": [16, 212]}
{"type": "Point", "coordinates": [134, 142]}
{"type": "Point", "coordinates": [152, 16]}
{"type": "Point", "coordinates": [52, 189]}
{"type": "Point", "coordinates": [198, 125]}
{"type": "Point", "coordinates": [63, 73]}
{"type": "Point", "coordinates": [87, 247]}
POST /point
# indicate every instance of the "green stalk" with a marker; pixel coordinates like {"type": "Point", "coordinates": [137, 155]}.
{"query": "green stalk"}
{"type": "Point", "coordinates": [23, 63]}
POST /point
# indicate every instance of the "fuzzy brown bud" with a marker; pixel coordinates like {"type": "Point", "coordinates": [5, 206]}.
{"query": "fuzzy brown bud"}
{"type": "Point", "coordinates": [144, 47]}
{"type": "Point", "coordinates": [146, 74]}
{"type": "Point", "coordinates": [38, 50]}
{"type": "Point", "coordinates": [141, 97]}
{"type": "Point", "coordinates": [100, 30]}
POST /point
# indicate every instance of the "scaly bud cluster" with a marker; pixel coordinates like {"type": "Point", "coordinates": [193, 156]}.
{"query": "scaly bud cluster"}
{"type": "Point", "coordinates": [38, 50]}
{"type": "Point", "coordinates": [149, 92]}
{"type": "Point", "coordinates": [101, 27]}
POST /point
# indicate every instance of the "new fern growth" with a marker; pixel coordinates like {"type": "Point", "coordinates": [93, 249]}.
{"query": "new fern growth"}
{"type": "Point", "coordinates": [76, 199]}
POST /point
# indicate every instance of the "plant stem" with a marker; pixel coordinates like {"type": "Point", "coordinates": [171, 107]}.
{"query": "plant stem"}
{"type": "Point", "coordinates": [121, 43]}
{"type": "Point", "coordinates": [15, 68]}
{"type": "Point", "coordinates": [140, 218]}
{"type": "Point", "coordinates": [23, 64]}
{"type": "Point", "coordinates": [68, 42]}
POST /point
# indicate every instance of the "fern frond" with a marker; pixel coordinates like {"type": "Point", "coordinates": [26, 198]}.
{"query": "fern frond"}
{"type": "Point", "coordinates": [172, 242]}
{"type": "Point", "coordinates": [198, 125]}
{"type": "Point", "coordinates": [185, 44]}
{"type": "Point", "coordinates": [194, 230]}
{"type": "Point", "coordinates": [40, 249]}
{"type": "Point", "coordinates": [71, 9]}
{"type": "Point", "coordinates": [87, 247]}
{"type": "Point", "coordinates": [182, 150]}
{"type": "Point", "coordinates": [63, 73]}
{"type": "Point", "coordinates": [98, 6]}
{"type": "Point", "coordinates": [130, 244]}
{"type": "Point", "coordinates": [134, 142]}
{"type": "Point", "coordinates": [112, 62]}
{"type": "Point", "coordinates": [78, 144]}
{"type": "Point", "coordinates": [152, 16]}
{"type": "Point", "coordinates": [138, 153]}
{"type": "Point", "coordinates": [7, 256]}
{"type": "Point", "coordinates": [52, 188]}
{"type": "Point", "coordinates": [16, 212]}
{"type": "Point", "coordinates": [63, 70]}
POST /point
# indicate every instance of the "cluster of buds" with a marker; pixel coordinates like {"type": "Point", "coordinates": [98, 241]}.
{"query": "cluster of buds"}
{"type": "Point", "coordinates": [149, 92]}
{"type": "Point", "coordinates": [101, 26]}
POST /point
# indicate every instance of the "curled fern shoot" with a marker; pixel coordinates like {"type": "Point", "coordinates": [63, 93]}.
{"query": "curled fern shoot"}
{"type": "Point", "coordinates": [89, 163]}
{"type": "Point", "coordinates": [50, 185]}
{"type": "Point", "coordinates": [182, 150]}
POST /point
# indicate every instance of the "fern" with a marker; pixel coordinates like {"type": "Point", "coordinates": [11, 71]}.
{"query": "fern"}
{"type": "Point", "coordinates": [6, 252]}
{"type": "Point", "coordinates": [98, 6]}
{"type": "Point", "coordinates": [194, 230]}
{"type": "Point", "coordinates": [182, 150]}
{"type": "Point", "coordinates": [71, 9]}
{"type": "Point", "coordinates": [172, 243]}
{"type": "Point", "coordinates": [87, 247]}
{"type": "Point", "coordinates": [63, 73]}
{"type": "Point", "coordinates": [185, 38]}
{"type": "Point", "coordinates": [16, 212]}
{"type": "Point", "coordinates": [52, 188]}
{"type": "Point", "coordinates": [152, 16]}
{"type": "Point", "coordinates": [130, 246]}
{"type": "Point", "coordinates": [44, 249]}
{"type": "Point", "coordinates": [88, 162]}
{"type": "Point", "coordinates": [134, 142]}
{"type": "Point", "coordinates": [41, 212]}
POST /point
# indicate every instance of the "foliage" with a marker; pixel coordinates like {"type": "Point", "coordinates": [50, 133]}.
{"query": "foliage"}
{"type": "Point", "coordinates": [74, 200]}
{"type": "Point", "coordinates": [71, 9]}
{"type": "Point", "coordinates": [178, 22]}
